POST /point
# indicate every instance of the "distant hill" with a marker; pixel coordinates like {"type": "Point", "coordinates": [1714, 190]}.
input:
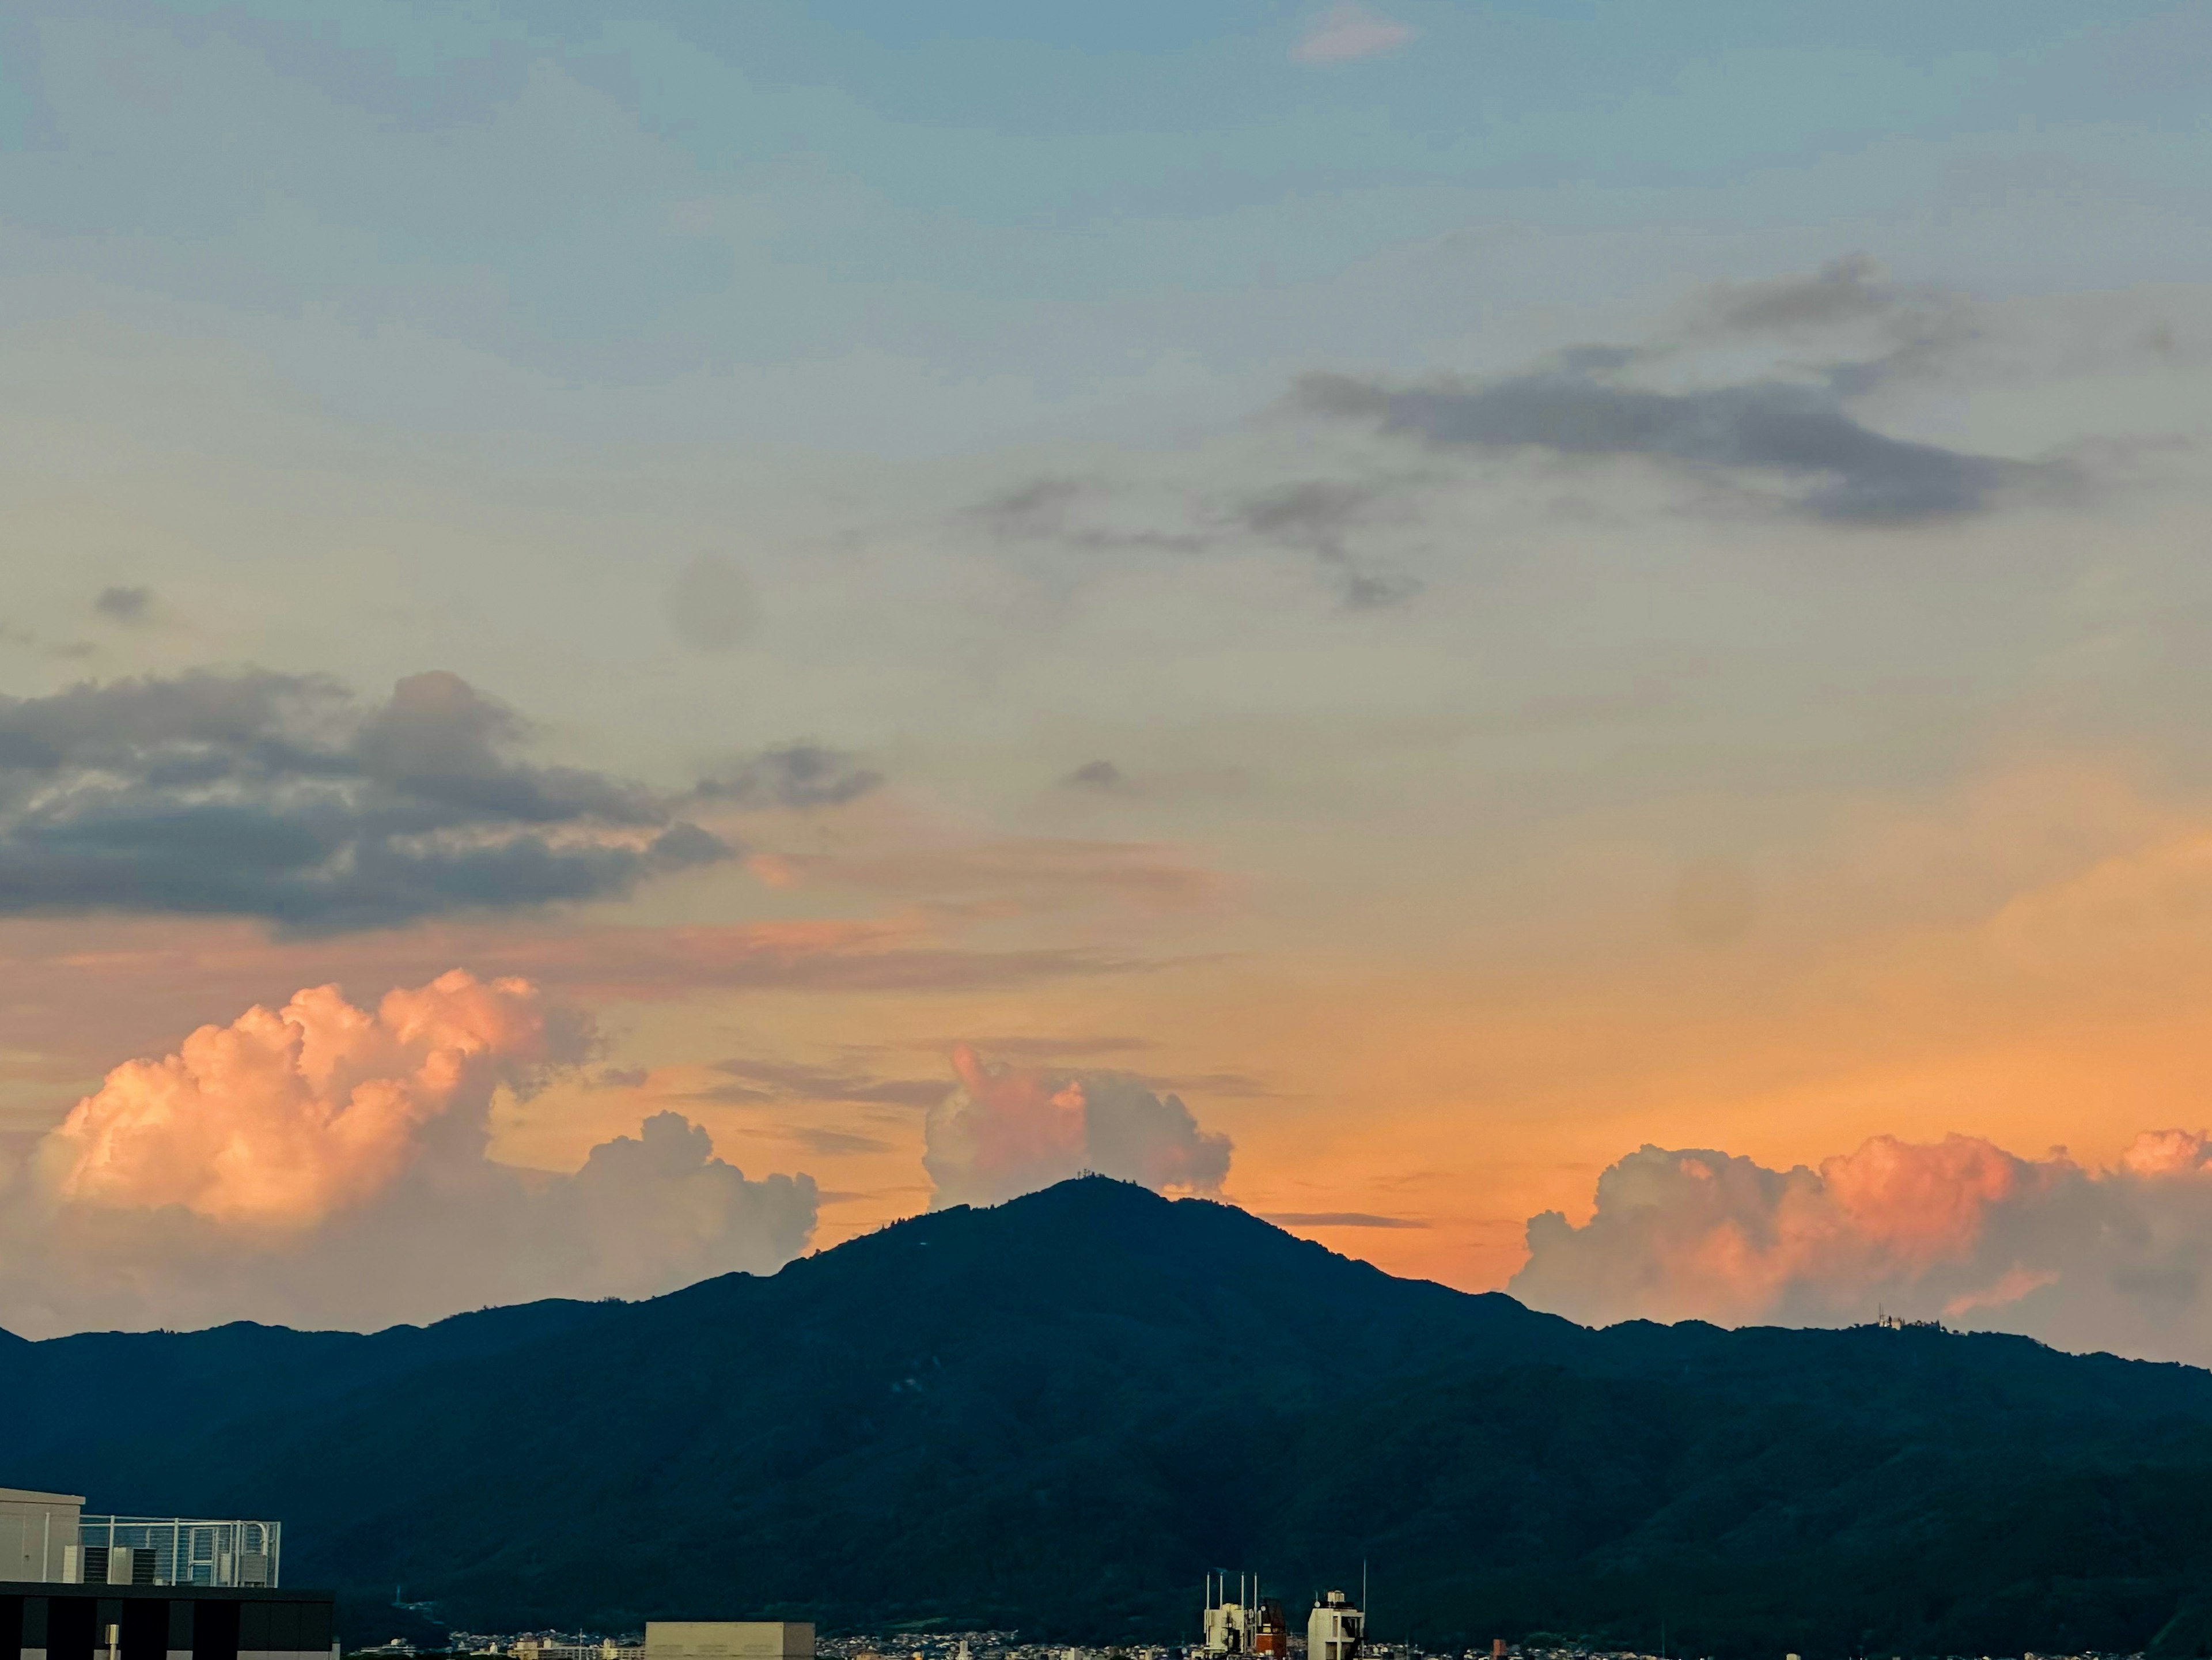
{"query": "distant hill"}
{"type": "Point", "coordinates": [1058, 1414]}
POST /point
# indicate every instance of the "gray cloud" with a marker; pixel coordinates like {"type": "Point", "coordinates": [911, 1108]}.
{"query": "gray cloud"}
{"type": "Point", "coordinates": [124, 604]}
{"type": "Point", "coordinates": [1313, 512]}
{"type": "Point", "coordinates": [795, 776]}
{"type": "Point", "coordinates": [1050, 510]}
{"type": "Point", "coordinates": [1901, 333]}
{"type": "Point", "coordinates": [1850, 289]}
{"type": "Point", "coordinates": [276, 796]}
{"type": "Point", "coordinates": [1313, 517]}
{"type": "Point", "coordinates": [1095, 775]}
{"type": "Point", "coordinates": [1846, 472]}
{"type": "Point", "coordinates": [1317, 515]}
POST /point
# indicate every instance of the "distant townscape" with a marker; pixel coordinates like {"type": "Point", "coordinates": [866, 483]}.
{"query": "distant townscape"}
{"type": "Point", "coordinates": [1010, 1645]}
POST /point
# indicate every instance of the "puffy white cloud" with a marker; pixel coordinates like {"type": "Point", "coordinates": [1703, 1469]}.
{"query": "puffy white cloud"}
{"type": "Point", "coordinates": [322, 1163]}
{"type": "Point", "coordinates": [1959, 1230]}
{"type": "Point", "coordinates": [1010, 1130]}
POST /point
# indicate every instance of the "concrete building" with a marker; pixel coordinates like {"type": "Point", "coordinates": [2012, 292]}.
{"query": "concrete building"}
{"type": "Point", "coordinates": [78, 1587]}
{"type": "Point", "coordinates": [1335, 1629]}
{"type": "Point", "coordinates": [47, 1539]}
{"type": "Point", "coordinates": [724, 1639]}
{"type": "Point", "coordinates": [37, 1530]}
{"type": "Point", "coordinates": [1250, 1625]}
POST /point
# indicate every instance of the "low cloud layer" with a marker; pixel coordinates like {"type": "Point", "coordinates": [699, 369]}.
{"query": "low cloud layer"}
{"type": "Point", "coordinates": [1011, 1130]}
{"type": "Point", "coordinates": [1959, 1230]}
{"type": "Point", "coordinates": [279, 797]}
{"type": "Point", "coordinates": [326, 1164]}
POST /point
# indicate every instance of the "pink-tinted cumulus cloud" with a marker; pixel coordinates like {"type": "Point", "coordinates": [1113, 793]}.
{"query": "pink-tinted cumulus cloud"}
{"type": "Point", "coordinates": [1010, 1130]}
{"type": "Point", "coordinates": [1959, 1230]}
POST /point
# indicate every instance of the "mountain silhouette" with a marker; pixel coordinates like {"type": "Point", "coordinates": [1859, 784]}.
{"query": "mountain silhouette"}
{"type": "Point", "coordinates": [1059, 1414]}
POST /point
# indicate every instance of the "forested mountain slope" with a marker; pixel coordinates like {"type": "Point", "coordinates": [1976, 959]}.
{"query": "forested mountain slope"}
{"type": "Point", "coordinates": [1058, 1414]}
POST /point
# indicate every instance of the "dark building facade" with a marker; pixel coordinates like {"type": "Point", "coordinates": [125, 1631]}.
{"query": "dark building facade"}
{"type": "Point", "coordinates": [43, 1621]}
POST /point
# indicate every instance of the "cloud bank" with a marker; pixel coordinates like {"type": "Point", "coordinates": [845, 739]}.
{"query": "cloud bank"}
{"type": "Point", "coordinates": [326, 1164]}
{"type": "Point", "coordinates": [1011, 1130]}
{"type": "Point", "coordinates": [276, 796]}
{"type": "Point", "coordinates": [1959, 1230]}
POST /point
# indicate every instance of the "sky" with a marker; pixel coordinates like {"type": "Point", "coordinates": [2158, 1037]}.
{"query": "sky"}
{"type": "Point", "coordinates": [1558, 644]}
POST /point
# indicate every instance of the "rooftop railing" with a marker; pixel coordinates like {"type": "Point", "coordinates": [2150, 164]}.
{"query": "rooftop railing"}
{"type": "Point", "coordinates": [172, 1550]}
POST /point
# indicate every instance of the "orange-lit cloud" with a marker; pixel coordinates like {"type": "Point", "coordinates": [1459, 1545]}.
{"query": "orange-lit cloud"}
{"type": "Point", "coordinates": [1958, 1229]}
{"type": "Point", "coordinates": [286, 1115]}
{"type": "Point", "coordinates": [326, 1164]}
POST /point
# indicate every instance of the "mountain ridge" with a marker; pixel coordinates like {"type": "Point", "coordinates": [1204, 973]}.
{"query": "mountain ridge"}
{"type": "Point", "coordinates": [1056, 1413]}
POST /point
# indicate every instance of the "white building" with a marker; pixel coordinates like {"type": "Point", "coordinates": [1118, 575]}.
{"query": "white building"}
{"type": "Point", "coordinates": [1335, 1629]}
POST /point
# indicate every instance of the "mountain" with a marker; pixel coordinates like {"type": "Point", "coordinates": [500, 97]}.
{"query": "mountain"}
{"type": "Point", "coordinates": [1058, 1414]}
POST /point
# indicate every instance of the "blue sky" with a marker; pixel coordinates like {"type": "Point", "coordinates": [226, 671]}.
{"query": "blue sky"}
{"type": "Point", "coordinates": [622, 193]}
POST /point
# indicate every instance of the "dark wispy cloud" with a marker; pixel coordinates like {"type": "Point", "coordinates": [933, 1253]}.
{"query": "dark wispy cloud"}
{"type": "Point", "coordinates": [1039, 1049]}
{"type": "Point", "coordinates": [1072, 513]}
{"type": "Point", "coordinates": [831, 1143]}
{"type": "Point", "coordinates": [796, 776]}
{"type": "Point", "coordinates": [1314, 517]}
{"type": "Point", "coordinates": [1337, 1219]}
{"type": "Point", "coordinates": [280, 797]}
{"type": "Point", "coordinates": [124, 604]}
{"type": "Point", "coordinates": [1095, 775]}
{"type": "Point", "coordinates": [15, 636]}
{"type": "Point", "coordinates": [781, 1080]}
{"type": "Point", "coordinates": [1318, 516]}
{"type": "Point", "coordinates": [1841, 471]}
{"type": "Point", "coordinates": [1841, 332]}
{"type": "Point", "coordinates": [1850, 289]}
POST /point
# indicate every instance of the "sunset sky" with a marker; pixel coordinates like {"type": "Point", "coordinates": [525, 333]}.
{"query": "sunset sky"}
{"type": "Point", "coordinates": [1363, 608]}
